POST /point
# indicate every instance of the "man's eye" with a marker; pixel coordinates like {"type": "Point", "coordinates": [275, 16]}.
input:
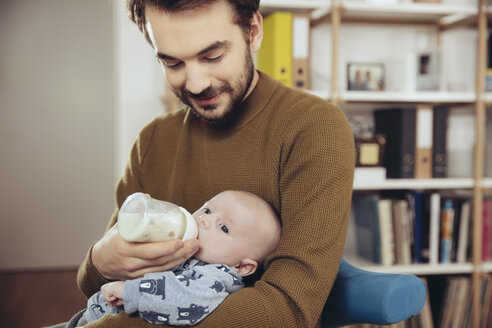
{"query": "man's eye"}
{"type": "Point", "coordinates": [171, 65]}
{"type": "Point", "coordinates": [224, 228]}
{"type": "Point", "coordinates": [207, 211]}
{"type": "Point", "coordinates": [214, 59]}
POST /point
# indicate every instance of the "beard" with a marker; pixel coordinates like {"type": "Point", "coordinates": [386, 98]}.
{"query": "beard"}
{"type": "Point", "coordinates": [235, 92]}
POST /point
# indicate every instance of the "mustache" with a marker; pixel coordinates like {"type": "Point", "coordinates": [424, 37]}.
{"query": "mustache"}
{"type": "Point", "coordinates": [207, 93]}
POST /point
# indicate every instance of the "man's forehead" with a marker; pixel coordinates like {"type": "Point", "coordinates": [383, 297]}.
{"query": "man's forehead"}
{"type": "Point", "coordinates": [189, 32]}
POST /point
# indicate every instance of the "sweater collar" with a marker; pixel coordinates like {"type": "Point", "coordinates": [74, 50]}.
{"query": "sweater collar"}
{"type": "Point", "coordinates": [252, 106]}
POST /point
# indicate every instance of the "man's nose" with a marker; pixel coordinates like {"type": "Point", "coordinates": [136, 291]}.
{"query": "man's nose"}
{"type": "Point", "coordinates": [197, 79]}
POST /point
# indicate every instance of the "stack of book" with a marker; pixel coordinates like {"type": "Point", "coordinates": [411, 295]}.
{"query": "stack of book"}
{"type": "Point", "coordinates": [417, 227]}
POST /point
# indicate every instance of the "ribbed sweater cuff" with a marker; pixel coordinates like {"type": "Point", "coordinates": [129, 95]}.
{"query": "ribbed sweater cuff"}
{"type": "Point", "coordinates": [89, 278]}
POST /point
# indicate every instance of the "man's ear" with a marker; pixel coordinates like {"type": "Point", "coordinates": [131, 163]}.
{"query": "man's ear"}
{"type": "Point", "coordinates": [246, 267]}
{"type": "Point", "coordinates": [256, 32]}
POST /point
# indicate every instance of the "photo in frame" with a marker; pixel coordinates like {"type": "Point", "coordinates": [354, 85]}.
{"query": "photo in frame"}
{"type": "Point", "coordinates": [365, 77]}
{"type": "Point", "coordinates": [428, 71]}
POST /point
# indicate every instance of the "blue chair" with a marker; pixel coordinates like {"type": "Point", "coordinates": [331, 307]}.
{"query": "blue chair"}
{"type": "Point", "coordinates": [360, 296]}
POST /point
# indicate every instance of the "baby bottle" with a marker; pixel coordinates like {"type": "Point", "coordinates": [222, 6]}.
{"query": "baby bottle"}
{"type": "Point", "coordinates": [145, 219]}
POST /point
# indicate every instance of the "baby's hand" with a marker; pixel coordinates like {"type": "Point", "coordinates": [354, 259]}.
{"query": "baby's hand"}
{"type": "Point", "coordinates": [113, 293]}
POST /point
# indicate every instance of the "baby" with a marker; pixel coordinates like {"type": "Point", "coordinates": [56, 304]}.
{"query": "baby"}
{"type": "Point", "coordinates": [236, 229]}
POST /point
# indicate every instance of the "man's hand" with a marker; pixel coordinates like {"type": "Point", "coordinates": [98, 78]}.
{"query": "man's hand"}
{"type": "Point", "coordinates": [113, 293]}
{"type": "Point", "coordinates": [117, 259]}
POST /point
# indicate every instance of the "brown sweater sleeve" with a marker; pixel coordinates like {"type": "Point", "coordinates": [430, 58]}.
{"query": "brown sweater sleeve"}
{"type": "Point", "coordinates": [315, 186]}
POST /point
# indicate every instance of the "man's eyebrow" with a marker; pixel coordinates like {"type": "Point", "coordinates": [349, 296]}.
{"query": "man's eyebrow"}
{"type": "Point", "coordinates": [213, 46]}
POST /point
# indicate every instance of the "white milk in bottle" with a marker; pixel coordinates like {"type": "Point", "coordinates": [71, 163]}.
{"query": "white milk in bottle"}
{"type": "Point", "coordinates": [145, 219]}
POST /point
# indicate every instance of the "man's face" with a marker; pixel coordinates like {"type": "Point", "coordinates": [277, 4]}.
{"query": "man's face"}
{"type": "Point", "coordinates": [205, 56]}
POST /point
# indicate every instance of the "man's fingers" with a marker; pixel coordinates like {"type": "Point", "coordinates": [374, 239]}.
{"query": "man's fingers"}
{"type": "Point", "coordinates": [167, 250]}
{"type": "Point", "coordinates": [135, 266]}
{"type": "Point", "coordinates": [152, 251]}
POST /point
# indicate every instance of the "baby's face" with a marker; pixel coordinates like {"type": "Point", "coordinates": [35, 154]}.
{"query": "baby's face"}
{"type": "Point", "coordinates": [225, 230]}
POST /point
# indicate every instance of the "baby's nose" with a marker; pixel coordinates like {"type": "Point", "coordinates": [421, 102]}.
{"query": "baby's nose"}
{"type": "Point", "coordinates": [204, 222]}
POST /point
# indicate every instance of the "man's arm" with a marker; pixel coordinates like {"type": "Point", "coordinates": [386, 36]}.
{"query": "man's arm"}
{"type": "Point", "coordinates": [113, 258]}
{"type": "Point", "coordinates": [315, 185]}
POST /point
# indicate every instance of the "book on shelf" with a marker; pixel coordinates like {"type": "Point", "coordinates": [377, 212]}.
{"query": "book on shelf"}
{"type": "Point", "coordinates": [275, 54]}
{"type": "Point", "coordinates": [416, 210]}
{"type": "Point", "coordinates": [439, 155]}
{"type": "Point", "coordinates": [435, 219]}
{"type": "Point", "coordinates": [386, 231]}
{"type": "Point", "coordinates": [464, 232]}
{"type": "Point", "coordinates": [300, 51]}
{"type": "Point", "coordinates": [486, 301]}
{"type": "Point", "coordinates": [449, 302]}
{"type": "Point", "coordinates": [447, 224]}
{"type": "Point", "coordinates": [486, 229]}
{"type": "Point", "coordinates": [402, 232]}
{"type": "Point", "coordinates": [398, 125]}
{"type": "Point", "coordinates": [423, 142]}
{"type": "Point", "coordinates": [366, 216]}
{"type": "Point", "coordinates": [424, 318]}
{"type": "Point", "coordinates": [488, 146]}
{"type": "Point", "coordinates": [460, 142]}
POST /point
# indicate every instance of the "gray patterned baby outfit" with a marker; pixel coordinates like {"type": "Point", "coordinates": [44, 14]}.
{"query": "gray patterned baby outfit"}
{"type": "Point", "coordinates": [183, 296]}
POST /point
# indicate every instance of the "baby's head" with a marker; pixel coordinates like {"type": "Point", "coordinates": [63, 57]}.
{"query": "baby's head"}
{"type": "Point", "coordinates": [236, 228]}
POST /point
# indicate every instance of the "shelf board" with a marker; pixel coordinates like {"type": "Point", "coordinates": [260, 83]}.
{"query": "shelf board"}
{"type": "Point", "coordinates": [426, 13]}
{"type": "Point", "coordinates": [358, 11]}
{"type": "Point", "coordinates": [487, 183]}
{"type": "Point", "coordinates": [402, 97]}
{"type": "Point", "coordinates": [423, 269]}
{"type": "Point", "coordinates": [416, 184]}
{"type": "Point", "coordinates": [487, 97]}
{"type": "Point", "coordinates": [268, 6]}
{"type": "Point", "coordinates": [407, 97]}
{"type": "Point", "coordinates": [416, 268]}
{"type": "Point", "coordinates": [487, 266]}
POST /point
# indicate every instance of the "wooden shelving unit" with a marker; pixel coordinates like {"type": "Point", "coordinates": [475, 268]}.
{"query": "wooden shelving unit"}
{"type": "Point", "coordinates": [443, 17]}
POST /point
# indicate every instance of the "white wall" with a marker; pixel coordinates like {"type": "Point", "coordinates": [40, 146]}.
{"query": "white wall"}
{"type": "Point", "coordinates": [139, 84]}
{"type": "Point", "coordinates": [395, 46]}
{"type": "Point", "coordinates": [56, 130]}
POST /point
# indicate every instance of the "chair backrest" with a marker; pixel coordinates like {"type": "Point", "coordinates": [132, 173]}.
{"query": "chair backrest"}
{"type": "Point", "coordinates": [360, 296]}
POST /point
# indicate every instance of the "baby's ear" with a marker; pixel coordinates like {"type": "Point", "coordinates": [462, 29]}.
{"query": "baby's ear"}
{"type": "Point", "coordinates": [246, 267]}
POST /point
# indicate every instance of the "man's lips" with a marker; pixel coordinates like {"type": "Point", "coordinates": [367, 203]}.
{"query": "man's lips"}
{"type": "Point", "coordinates": [208, 101]}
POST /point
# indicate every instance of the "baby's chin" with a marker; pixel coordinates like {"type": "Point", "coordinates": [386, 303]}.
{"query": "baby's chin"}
{"type": "Point", "coordinates": [199, 255]}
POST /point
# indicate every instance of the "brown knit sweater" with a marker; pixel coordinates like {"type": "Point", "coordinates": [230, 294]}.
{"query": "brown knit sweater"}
{"type": "Point", "coordinates": [294, 150]}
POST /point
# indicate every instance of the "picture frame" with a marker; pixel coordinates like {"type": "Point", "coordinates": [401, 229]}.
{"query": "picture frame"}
{"type": "Point", "coordinates": [428, 71]}
{"type": "Point", "coordinates": [365, 77]}
{"type": "Point", "coordinates": [369, 150]}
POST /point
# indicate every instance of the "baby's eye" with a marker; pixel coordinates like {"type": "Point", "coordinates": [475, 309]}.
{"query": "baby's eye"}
{"type": "Point", "coordinates": [207, 211]}
{"type": "Point", "coordinates": [224, 228]}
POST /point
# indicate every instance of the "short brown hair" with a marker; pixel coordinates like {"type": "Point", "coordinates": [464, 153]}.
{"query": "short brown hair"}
{"type": "Point", "coordinates": [244, 10]}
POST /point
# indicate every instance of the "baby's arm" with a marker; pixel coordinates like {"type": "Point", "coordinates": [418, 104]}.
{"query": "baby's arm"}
{"type": "Point", "coordinates": [183, 297]}
{"type": "Point", "coordinates": [113, 293]}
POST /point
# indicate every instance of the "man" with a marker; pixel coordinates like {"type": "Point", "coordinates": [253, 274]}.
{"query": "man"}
{"type": "Point", "coordinates": [241, 130]}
